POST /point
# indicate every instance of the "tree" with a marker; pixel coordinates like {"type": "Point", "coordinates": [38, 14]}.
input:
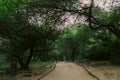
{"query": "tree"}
{"type": "Point", "coordinates": [94, 16]}
{"type": "Point", "coordinates": [109, 20]}
{"type": "Point", "coordinates": [23, 35]}
{"type": "Point", "coordinates": [35, 39]}
{"type": "Point", "coordinates": [73, 43]}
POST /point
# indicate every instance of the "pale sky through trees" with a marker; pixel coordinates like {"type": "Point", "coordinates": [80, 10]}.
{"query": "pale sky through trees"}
{"type": "Point", "coordinates": [71, 19]}
{"type": "Point", "coordinates": [104, 4]}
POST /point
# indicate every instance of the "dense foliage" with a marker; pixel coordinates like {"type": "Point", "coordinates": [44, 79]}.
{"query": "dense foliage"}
{"type": "Point", "coordinates": [29, 31]}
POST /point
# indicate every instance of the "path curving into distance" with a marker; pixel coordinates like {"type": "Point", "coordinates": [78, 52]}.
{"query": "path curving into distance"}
{"type": "Point", "coordinates": [68, 71]}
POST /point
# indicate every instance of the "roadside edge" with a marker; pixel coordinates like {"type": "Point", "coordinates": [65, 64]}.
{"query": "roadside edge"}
{"type": "Point", "coordinates": [86, 68]}
{"type": "Point", "coordinates": [41, 76]}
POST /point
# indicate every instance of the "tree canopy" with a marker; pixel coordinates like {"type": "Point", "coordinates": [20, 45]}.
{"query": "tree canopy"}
{"type": "Point", "coordinates": [30, 28]}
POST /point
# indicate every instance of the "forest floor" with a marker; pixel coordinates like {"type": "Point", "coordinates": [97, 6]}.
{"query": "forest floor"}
{"type": "Point", "coordinates": [25, 75]}
{"type": "Point", "coordinates": [36, 69]}
{"type": "Point", "coordinates": [71, 71]}
{"type": "Point", "coordinates": [104, 71]}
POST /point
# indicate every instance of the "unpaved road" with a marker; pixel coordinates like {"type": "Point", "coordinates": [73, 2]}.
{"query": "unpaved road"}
{"type": "Point", "coordinates": [68, 71]}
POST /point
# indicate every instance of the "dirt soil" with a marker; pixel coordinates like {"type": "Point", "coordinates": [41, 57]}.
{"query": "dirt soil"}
{"type": "Point", "coordinates": [26, 75]}
{"type": "Point", "coordinates": [71, 71]}
{"type": "Point", "coordinates": [105, 72]}
{"type": "Point", "coordinates": [36, 71]}
{"type": "Point", "coordinates": [68, 71]}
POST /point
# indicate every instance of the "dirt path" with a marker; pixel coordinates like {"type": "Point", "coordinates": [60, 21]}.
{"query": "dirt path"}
{"type": "Point", "coordinates": [68, 71]}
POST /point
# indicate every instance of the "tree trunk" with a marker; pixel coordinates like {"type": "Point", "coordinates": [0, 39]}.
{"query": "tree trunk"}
{"type": "Point", "coordinates": [20, 60]}
{"type": "Point", "coordinates": [30, 56]}
{"type": "Point", "coordinates": [13, 66]}
{"type": "Point", "coordinates": [25, 66]}
{"type": "Point", "coordinates": [73, 57]}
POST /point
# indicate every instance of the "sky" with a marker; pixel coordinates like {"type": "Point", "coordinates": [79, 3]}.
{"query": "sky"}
{"type": "Point", "coordinates": [104, 4]}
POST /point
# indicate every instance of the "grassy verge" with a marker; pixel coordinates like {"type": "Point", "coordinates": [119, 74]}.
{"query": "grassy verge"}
{"type": "Point", "coordinates": [37, 69]}
{"type": "Point", "coordinates": [42, 65]}
{"type": "Point", "coordinates": [33, 64]}
{"type": "Point", "coordinates": [104, 70]}
{"type": "Point", "coordinates": [4, 65]}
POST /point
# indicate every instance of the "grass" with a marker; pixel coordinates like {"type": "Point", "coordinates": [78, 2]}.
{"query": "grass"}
{"type": "Point", "coordinates": [42, 65]}
{"type": "Point", "coordinates": [4, 65]}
